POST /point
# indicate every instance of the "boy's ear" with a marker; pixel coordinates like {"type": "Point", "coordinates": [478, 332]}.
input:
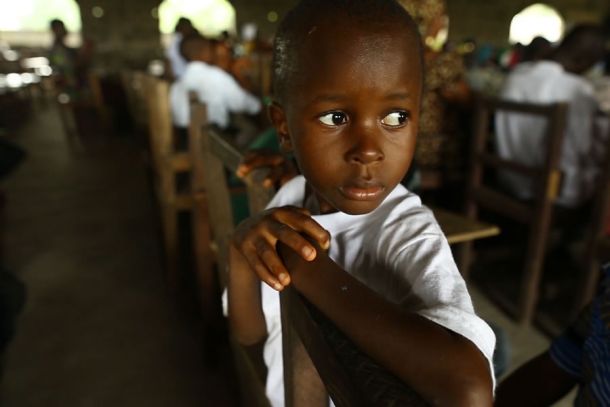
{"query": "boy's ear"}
{"type": "Point", "coordinates": [278, 119]}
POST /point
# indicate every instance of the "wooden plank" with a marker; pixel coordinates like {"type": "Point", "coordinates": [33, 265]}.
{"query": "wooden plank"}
{"type": "Point", "coordinates": [495, 161]}
{"type": "Point", "coordinates": [458, 228]}
{"type": "Point", "coordinates": [502, 203]}
{"type": "Point", "coordinates": [179, 162]}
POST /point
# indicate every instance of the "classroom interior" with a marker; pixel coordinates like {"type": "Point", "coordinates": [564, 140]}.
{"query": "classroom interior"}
{"type": "Point", "coordinates": [105, 300]}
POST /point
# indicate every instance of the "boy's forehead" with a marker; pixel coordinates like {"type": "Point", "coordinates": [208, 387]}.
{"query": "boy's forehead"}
{"type": "Point", "coordinates": [347, 45]}
{"type": "Point", "coordinates": [330, 34]}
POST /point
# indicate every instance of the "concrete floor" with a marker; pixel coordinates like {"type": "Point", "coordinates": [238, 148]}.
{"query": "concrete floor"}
{"type": "Point", "coordinates": [99, 328]}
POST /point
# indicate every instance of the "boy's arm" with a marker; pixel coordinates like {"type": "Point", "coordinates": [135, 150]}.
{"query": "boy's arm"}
{"type": "Point", "coordinates": [540, 382]}
{"type": "Point", "coordinates": [246, 316]}
{"type": "Point", "coordinates": [443, 367]}
{"type": "Point", "coordinates": [253, 258]}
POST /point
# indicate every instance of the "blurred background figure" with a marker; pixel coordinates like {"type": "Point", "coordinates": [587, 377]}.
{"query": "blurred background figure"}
{"type": "Point", "coordinates": [439, 147]}
{"type": "Point", "coordinates": [70, 65]}
{"type": "Point", "coordinates": [556, 79]}
{"type": "Point", "coordinates": [539, 48]}
{"type": "Point", "coordinates": [177, 63]}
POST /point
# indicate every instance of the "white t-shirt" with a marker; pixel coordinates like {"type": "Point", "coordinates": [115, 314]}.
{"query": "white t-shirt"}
{"type": "Point", "coordinates": [176, 60]}
{"type": "Point", "coordinates": [399, 251]}
{"type": "Point", "coordinates": [221, 93]}
{"type": "Point", "coordinates": [521, 137]}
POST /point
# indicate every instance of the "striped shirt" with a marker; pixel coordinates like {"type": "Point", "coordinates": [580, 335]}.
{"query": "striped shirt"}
{"type": "Point", "coordinates": [584, 349]}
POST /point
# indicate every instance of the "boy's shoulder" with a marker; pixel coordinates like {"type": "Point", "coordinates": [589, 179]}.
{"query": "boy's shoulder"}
{"type": "Point", "coordinates": [404, 213]}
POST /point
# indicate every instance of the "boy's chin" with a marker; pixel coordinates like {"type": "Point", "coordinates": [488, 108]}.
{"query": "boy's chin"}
{"type": "Point", "coordinates": [357, 207]}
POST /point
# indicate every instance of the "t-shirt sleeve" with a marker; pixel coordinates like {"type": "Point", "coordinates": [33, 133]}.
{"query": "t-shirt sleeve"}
{"type": "Point", "coordinates": [438, 291]}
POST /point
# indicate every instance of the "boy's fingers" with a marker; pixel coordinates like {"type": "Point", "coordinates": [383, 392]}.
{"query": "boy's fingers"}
{"type": "Point", "coordinates": [254, 161]}
{"type": "Point", "coordinates": [273, 263]}
{"type": "Point", "coordinates": [275, 174]}
{"type": "Point", "coordinates": [295, 241]}
{"type": "Point", "coordinates": [261, 270]}
{"type": "Point", "coordinates": [303, 223]}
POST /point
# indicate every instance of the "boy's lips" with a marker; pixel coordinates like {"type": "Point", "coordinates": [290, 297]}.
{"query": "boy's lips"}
{"type": "Point", "coordinates": [362, 191]}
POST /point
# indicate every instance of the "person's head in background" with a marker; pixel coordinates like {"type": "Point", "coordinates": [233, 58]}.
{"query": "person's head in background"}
{"type": "Point", "coordinates": [223, 55]}
{"type": "Point", "coordinates": [581, 49]}
{"type": "Point", "coordinates": [347, 84]}
{"type": "Point", "coordinates": [539, 48]}
{"type": "Point", "coordinates": [59, 31]}
{"type": "Point", "coordinates": [195, 47]}
{"type": "Point", "coordinates": [184, 27]}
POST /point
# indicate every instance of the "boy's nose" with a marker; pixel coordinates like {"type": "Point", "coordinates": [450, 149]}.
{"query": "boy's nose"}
{"type": "Point", "coordinates": [365, 152]}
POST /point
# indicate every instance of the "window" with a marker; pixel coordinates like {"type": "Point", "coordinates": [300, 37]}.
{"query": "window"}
{"type": "Point", "coordinates": [26, 22]}
{"type": "Point", "coordinates": [536, 20]}
{"type": "Point", "coordinates": [210, 17]}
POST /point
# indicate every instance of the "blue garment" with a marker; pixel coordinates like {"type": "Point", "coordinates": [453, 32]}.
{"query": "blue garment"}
{"type": "Point", "coordinates": [583, 351]}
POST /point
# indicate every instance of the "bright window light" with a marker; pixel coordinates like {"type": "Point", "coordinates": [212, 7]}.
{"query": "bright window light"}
{"type": "Point", "coordinates": [210, 17]}
{"type": "Point", "coordinates": [536, 20]}
{"type": "Point", "coordinates": [35, 15]}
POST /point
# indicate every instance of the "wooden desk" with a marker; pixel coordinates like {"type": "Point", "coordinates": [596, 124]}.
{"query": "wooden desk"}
{"type": "Point", "coordinates": [459, 229]}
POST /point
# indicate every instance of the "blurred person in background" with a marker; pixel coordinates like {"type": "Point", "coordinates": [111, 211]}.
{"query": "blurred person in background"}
{"type": "Point", "coordinates": [556, 79]}
{"type": "Point", "coordinates": [177, 63]}
{"type": "Point", "coordinates": [219, 90]}
{"type": "Point", "coordinates": [439, 146]}
{"type": "Point", "coordinates": [70, 65]}
{"type": "Point", "coordinates": [539, 48]}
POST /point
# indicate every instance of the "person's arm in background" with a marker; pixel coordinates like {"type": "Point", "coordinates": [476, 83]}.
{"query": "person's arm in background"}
{"type": "Point", "coordinates": [551, 375]}
{"type": "Point", "coordinates": [540, 382]}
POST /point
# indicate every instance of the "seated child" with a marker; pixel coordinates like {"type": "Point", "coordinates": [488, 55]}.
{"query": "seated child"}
{"type": "Point", "coordinates": [353, 241]}
{"type": "Point", "coordinates": [580, 357]}
{"type": "Point", "coordinates": [221, 93]}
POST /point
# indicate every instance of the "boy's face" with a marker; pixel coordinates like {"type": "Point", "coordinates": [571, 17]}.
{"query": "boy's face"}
{"type": "Point", "coordinates": [350, 114]}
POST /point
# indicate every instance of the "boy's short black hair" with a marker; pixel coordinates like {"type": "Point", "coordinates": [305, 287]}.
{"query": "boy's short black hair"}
{"type": "Point", "coordinates": [302, 19]}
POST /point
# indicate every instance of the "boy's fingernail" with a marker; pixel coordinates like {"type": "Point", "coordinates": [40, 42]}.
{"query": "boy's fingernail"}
{"type": "Point", "coordinates": [326, 244]}
{"type": "Point", "coordinates": [308, 252]}
{"type": "Point", "coordinates": [278, 286]}
{"type": "Point", "coordinates": [282, 276]}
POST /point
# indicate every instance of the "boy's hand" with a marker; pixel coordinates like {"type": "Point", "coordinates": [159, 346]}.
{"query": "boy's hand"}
{"type": "Point", "coordinates": [281, 170]}
{"type": "Point", "coordinates": [256, 239]}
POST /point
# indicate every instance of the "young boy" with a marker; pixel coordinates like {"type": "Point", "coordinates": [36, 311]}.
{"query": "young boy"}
{"type": "Point", "coordinates": [347, 84]}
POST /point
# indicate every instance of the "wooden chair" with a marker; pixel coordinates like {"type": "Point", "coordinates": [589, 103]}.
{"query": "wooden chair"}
{"type": "Point", "coordinates": [166, 163]}
{"type": "Point", "coordinates": [536, 214]}
{"type": "Point", "coordinates": [597, 242]}
{"type": "Point", "coordinates": [318, 360]}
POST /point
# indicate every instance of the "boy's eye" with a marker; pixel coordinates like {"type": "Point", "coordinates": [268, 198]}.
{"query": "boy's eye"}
{"type": "Point", "coordinates": [395, 119]}
{"type": "Point", "coordinates": [333, 119]}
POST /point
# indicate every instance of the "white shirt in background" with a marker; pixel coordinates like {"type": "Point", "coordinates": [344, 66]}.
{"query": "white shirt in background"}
{"type": "Point", "coordinates": [221, 93]}
{"type": "Point", "coordinates": [398, 251]}
{"type": "Point", "coordinates": [176, 60]}
{"type": "Point", "coordinates": [522, 138]}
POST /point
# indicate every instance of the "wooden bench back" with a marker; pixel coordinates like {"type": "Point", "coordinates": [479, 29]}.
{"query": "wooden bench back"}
{"type": "Point", "coordinates": [159, 120]}
{"type": "Point", "coordinates": [537, 213]}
